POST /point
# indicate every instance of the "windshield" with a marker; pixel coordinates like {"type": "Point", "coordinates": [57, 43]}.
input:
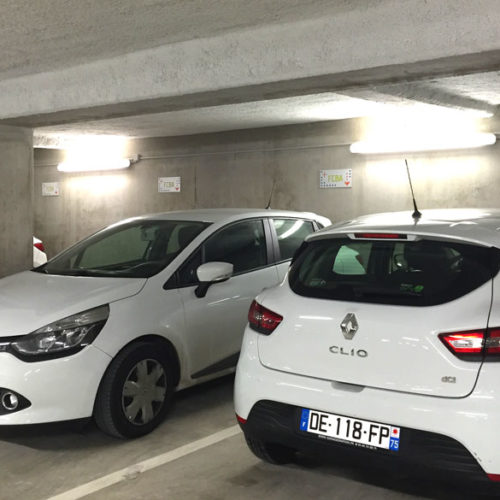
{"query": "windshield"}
{"type": "Point", "coordinates": [416, 273]}
{"type": "Point", "coordinates": [137, 249]}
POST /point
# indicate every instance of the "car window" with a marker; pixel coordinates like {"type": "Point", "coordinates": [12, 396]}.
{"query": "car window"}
{"type": "Point", "coordinates": [349, 260]}
{"type": "Point", "coordinates": [291, 234]}
{"type": "Point", "coordinates": [242, 244]}
{"type": "Point", "coordinates": [134, 249]}
{"type": "Point", "coordinates": [420, 273]}
{"type": "Point", "coordinates": [128, 245]}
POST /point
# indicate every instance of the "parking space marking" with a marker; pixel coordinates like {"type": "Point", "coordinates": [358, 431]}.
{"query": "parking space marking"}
{"type": "Point", "coordinates": [132, 471]}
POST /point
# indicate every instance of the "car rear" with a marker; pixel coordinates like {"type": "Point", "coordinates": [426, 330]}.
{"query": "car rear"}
{"type": "Point", "coordinates": [379, 342]}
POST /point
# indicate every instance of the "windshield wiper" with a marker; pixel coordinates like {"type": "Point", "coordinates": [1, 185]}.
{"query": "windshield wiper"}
{"type": "Point", "coordinates": [73, 272]}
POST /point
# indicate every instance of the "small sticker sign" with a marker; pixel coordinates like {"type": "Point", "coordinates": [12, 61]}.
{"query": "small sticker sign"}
{"type": "Point", "coordinates": [335, 178]}
{"type": "Point", "coordinates": [169, 184]}
{"type": "Point", "coordinates": [50, 189]}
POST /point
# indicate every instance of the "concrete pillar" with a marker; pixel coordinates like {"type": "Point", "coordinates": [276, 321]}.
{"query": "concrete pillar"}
{"type": "Point", "coordinates": [16, 199]}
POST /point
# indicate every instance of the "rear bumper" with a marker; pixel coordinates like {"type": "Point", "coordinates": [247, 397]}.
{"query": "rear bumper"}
{"type": "Point", "coordinates": [453, 434]}
{"type": "Point", "coordinates": [270, 422]}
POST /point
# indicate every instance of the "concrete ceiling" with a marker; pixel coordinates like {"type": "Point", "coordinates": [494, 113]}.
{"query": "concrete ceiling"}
{"type": "Point", "coordinates": [39, 36]}
{"type": "Point", "coordinates": [479, 96]}
{"type": "Point", "coordinates": [174, 67]}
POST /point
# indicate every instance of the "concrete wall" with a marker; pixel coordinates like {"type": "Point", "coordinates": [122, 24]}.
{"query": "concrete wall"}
{"type": "Point", "coordinates": [16, 200]}
{"type": "Point", "coordinates": [237, 169]}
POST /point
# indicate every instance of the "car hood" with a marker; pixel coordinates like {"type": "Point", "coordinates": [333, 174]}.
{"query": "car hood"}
{"type": "Point", "coordinates": [30, 300]}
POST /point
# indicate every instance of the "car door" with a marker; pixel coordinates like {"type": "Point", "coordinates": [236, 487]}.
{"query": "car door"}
{"type": "Point", "coordinates": [222, 313]}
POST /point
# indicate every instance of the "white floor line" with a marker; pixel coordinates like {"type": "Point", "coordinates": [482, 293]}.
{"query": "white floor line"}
{"type": "Point", "coordinates": [134, 470]}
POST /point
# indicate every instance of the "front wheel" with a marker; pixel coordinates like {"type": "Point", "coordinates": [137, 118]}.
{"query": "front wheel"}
{"type": "Point", "coordinates": [135, 392]}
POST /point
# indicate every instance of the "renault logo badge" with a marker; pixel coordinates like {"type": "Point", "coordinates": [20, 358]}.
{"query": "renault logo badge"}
{"type": "Point", "coordinates": [349, 326]}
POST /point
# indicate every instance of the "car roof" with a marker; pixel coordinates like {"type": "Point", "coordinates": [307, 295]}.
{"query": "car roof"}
{"type": "Point", "coordinates": [221, 215]}
{"type": "Point", "coordinates": [476, 225]}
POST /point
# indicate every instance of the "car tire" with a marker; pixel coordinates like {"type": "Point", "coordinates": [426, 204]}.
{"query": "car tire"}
{"type": "Point", "coordinates": [273, 453]}
{"type": "Point", "coordinates": [136, 391]}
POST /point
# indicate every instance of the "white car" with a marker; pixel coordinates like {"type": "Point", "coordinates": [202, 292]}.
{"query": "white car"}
{"type": "Point", "coordinates": [116, 323]}
{"type": "Point", "coordinates": [39, 255]}
{"type": "Point", "coordinates": [384, 340]}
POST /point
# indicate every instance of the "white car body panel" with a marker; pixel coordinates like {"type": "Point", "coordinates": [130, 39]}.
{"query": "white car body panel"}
{"type": "Point", "coordinates": [282, 269]}
{"type": "Point", "coordinates": [31, 300]}
{"type": "Point", "coordinates": [386, 340]}
{"type": "Point", "coordinates": [478, 226]}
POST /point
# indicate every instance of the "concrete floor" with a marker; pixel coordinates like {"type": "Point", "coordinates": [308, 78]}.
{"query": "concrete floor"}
{"type": "Point", "coordinates": [43, 461]}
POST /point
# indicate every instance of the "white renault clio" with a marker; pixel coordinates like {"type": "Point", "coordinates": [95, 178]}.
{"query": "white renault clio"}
{"type": "Point", "coordinates": [116, 323]}
{"type": "Point", "coordinates": [384, 339]}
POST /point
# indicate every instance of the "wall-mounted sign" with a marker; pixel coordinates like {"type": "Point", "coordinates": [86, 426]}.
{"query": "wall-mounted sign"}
{"type": "Point", "coordinates": [335, 178]}
{"type": "Point", "coordinates": [169, 184]}
{"type": "Point", "coordinates": [50, 189]}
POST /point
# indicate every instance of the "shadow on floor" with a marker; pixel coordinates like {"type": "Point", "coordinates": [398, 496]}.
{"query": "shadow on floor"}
{"type": "Point", "coordinates": [84, 434]}
{"type": "Point", "coordinates": [401, 478]}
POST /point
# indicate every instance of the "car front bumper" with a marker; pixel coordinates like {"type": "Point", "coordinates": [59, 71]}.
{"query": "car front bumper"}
{"type": "Point", "coordinates": [56, 390]}
{"type": "Point", "coordinates": [447, 432]}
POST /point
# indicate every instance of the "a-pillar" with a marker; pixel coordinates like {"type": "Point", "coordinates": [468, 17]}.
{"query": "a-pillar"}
{"type": "Point", "coordinates": [16, 199]}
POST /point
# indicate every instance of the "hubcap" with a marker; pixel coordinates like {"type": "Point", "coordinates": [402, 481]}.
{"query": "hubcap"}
{"type": "Point", "coordinates": [144, 391]}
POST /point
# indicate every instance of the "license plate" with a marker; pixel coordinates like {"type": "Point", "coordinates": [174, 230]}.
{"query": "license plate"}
{"type": "Point", "coordinates": [351, 430]}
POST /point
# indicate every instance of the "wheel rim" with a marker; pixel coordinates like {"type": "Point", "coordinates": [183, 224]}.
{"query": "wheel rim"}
{"type": "Point", "coordinates": [144, 392]}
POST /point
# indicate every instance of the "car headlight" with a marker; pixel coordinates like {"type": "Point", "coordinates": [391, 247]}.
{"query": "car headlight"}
{"type": "Point", "coordinates": [61, 338]}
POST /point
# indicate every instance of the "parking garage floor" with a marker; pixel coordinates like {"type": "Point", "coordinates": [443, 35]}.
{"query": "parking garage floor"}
{"type": "Point", "coordinates": [198, 453]}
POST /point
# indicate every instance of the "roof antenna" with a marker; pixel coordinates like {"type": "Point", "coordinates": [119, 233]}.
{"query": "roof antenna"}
{"type": "Point", "coordinates": [268, 206]}
{"type": "Point", "coordinates": [416, 214]}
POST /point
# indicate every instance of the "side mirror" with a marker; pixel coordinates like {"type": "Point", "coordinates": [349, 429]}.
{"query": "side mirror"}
{"type": "Point", "coordinates": [210, 273]}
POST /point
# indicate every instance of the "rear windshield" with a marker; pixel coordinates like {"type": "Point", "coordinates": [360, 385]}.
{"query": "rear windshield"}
{"type": "Point", "coordinates": [416, 273]}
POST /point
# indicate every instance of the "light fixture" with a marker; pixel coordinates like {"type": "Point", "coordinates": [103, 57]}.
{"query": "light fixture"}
{"type": "Point", "coordinates": [418, 143]}
{"type": "Point", "coordinates": [407, 131]}
{"type": "Point", "coordinates": [95, 153]}
{"type": "Point", "coordinates": [93, 165]}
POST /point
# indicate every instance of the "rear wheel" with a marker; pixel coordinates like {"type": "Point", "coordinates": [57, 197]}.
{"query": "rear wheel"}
{"type": "Point", "coordinates": [136, 391]}
{"type": "Point", "coordinates": [272, 453]}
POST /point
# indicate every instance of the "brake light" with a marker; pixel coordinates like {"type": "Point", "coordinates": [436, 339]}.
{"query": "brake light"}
{"type": "Point", "coordinates": [381, 236]}
{"type": "Point", "coordinates": [263, 320]}
{"type": "Point", "coordinates": [470, 344]}
{"type": "Point", "coordinates": [39, 246]}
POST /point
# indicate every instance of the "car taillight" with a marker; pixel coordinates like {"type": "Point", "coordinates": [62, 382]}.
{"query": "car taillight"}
{"type": "Point", "coordinates": [263, 320]}
{"type": "Point", "coordinates": [471, 345]}
{"type": "Point", "coordinates": [380, 236]}
{"type": "Point", "coordinates": [39, 246]}
{"type": "Point", "coordinates": [493, 341]}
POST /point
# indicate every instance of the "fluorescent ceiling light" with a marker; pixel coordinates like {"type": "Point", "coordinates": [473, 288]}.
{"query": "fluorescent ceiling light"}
{"type": "Point", "coordinates": [411, 144]}
{"type": "Point", "coordinates": [93, 165]}
{"type": "Point", "coordinates": [93, 153]}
